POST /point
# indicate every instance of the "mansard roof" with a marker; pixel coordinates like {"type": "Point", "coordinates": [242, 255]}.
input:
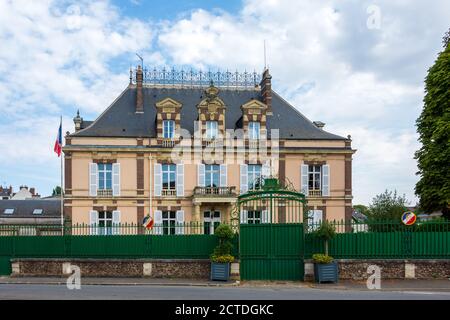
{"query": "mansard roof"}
{"type": "Point", "coordinates": [121, 120]}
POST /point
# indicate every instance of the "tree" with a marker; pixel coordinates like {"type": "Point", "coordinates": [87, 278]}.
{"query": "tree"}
{"type": "Point", "coordinates": [56, 191]}
{"type": "Point", "coordinates": [362, 209]}
{"type": "Point", "coordinates": [433, 126]}
{"type": "Point", "coordinates": [387, 206]}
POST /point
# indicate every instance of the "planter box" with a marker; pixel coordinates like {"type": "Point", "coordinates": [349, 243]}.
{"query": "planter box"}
{"type": "Point", "coordinates": [220, 271]}
{"type": "Point", "coordinates": [326, 272]}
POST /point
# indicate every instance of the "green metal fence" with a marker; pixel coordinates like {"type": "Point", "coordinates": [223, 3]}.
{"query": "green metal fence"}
{"type": "Point", "coordinates": [384, 240]}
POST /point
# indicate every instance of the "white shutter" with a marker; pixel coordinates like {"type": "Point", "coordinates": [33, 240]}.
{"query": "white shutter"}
{"type": "Point", "coordinates": [157, 227]}
{"type": "Point", "coordinates": [325, 180]}
{"type": "Point", "coordinates": [93, 179]}
{"type": "Point", "coordinates": [244, 178]}
{"type": "Point", "coordinates": [223, 175]}
{"type": "Point", "coordinates": [157, 177]}
{"type": "Point", "coordinates": [180, 180]}
{"type": "Point", "coordinates": [93, 222]}
{"type": "Point", "coordinates": [304, 179]}
{"type": "Point", "coordinates": [265, 216]}
{"type": "Point", "coordinates": [201, 175]}
{"type": "Point", "coordinates": [244, 216]}
{"type": "Point", "coordinates": [116, 222]}
{"type": "Point", "coordinates": [116, 179]}
{"type": "Point", "coordinates": [265, 170]}
{"type": "Point", "coordinates": [179, 229]}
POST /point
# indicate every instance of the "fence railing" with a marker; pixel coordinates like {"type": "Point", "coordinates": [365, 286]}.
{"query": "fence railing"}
{"type": "Point", "coordinates": [383, 240]}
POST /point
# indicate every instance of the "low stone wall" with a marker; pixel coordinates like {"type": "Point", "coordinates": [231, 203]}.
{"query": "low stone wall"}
{"type": "Point", "coordinates": [153, 268]}
{"type": "Point", "coordinates": [356, 269]}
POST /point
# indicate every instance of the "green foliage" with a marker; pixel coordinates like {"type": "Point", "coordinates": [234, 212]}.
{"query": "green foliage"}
{"type": "Point", "coordinates": [322, 258]}
{"type": "Point", "coordinates": [326, 231]}
{"type": "Point", "coordinates": [387, 206]}
{"type": "Point", "coordinates": [433, 126]}
{"type": "Point", "coordinates": [222, 252]}
{"type": "Point", "coordinates": [362, 209]}
{"type": "Point", "coordinates": [56, 191]}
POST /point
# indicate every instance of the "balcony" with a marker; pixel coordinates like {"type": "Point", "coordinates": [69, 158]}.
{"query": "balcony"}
{"type": "Point", "coordinates": [315, 193]}
{"type": "Point", "coordinates": [104, 193]}
{"type": "Point", "coordinates": [169, 193]}
{"type": "Point", "coordinates": [215, 191]}
{"type": "Point", "coordinates": [168, 142]}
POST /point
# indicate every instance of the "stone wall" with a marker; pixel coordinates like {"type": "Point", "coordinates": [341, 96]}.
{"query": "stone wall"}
{"type": "Point", "coordinates": [153, 268]}
{"type": "Point", "coordinates": [356, 269]}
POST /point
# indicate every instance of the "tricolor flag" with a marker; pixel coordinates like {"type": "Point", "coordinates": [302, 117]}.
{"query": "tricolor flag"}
{"type": "Point", "coordinates": [58, 143]}
{"type": "Point", "coordinates": [148, 222]}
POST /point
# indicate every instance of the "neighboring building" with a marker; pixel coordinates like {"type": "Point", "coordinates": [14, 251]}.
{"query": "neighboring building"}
{"type": "Point", "coordinates": [6, 193]}
{"type": "Point", "coordinates": [25, 194]}
{"type": "Point", "coordinates": [122, 163]}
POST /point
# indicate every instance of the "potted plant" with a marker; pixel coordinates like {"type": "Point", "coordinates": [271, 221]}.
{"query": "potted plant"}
{"type": "Point", "coordinates": [325, 268]}
{"type": "Point", "coordinates": [221, 257]}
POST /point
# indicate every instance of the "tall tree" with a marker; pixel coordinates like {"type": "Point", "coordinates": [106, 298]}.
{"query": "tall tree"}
{"type": "Point", "coordinates": [433, 126]}
{"type": "Point", "coordinates": [56, 191]}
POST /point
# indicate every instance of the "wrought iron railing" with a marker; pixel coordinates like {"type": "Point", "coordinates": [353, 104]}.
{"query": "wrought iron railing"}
{"type": "Point", "coordinates": [191, 78]}
{"type": "Point", "coordinates": [215, 191]}
{"type": "Point", "coordinates": [104, 193]}
{"type": "Point", "coordinates": [315, 193]}
{"type": "Point", "coordinates": [169, 192]}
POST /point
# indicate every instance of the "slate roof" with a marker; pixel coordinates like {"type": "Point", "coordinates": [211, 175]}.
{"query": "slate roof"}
{"type": "Point", "coordinates": [120, 119]}
{"type": "Point", "coordinates": [25, 208]}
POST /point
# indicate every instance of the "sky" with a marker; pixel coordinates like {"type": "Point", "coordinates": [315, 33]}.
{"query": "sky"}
{"type": "Point", "coordinates": [357, 66]}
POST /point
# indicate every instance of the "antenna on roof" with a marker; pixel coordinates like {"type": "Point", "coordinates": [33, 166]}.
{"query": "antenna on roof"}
{"type": "Point", "coordinates": [142, 61]}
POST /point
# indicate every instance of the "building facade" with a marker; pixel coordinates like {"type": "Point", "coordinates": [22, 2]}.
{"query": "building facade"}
{"type": "Point", "coordinates": [183, 150]}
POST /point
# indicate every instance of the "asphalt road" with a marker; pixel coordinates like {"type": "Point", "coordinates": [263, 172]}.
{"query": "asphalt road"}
{"type": "Point", "coordinates": [60, 292]}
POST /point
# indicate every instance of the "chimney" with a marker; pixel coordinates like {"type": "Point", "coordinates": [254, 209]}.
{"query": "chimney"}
{"type": "Point", "coordinates": [266, 90]}
{"type": "Point", "coordinates": [78, 120]}
{"type": "Point", "coordinates": [319, 124]}
{"type": "Point", "coordinates": [32, 190]}
{"type": "Point", "coordinates": [139, 90]}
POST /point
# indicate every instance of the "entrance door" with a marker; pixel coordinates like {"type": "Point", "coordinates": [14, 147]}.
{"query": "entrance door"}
{"type": "Point", "coordinates": [211, 220]}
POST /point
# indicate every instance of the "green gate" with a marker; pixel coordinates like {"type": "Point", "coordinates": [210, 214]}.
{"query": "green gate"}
{"type": "Point", "coordinates": [271, 234]}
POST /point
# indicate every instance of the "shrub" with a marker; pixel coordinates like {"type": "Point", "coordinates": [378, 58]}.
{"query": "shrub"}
{"type": "Point", "coordinates": [326, 232]}
{"type": "Point", "coordinates": [322, 258]}
{"type": "Point", "coordinates": [222, 252]}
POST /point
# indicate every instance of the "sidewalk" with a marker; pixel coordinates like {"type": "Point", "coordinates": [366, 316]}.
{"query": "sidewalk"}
{"type": "Point", "coordinates": [389, 285]}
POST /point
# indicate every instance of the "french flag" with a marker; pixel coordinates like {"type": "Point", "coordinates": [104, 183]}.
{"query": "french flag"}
{"type": "Point", "coordinates": [58, 143]}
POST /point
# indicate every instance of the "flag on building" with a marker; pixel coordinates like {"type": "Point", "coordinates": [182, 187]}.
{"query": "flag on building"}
{"type": "Point", "coordinates": [58, 143]}
{"type": "Point", "coordinates": [148, 222]}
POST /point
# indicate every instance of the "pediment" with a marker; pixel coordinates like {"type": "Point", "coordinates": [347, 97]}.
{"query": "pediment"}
{"type": "Point", "coordinates": [168, 103]}
{"type": "Point", "coordinates": [254, 104]}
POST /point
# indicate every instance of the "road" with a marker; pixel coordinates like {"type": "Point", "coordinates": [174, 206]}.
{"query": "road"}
{"type": "Point", "coordinates": [154, 292]}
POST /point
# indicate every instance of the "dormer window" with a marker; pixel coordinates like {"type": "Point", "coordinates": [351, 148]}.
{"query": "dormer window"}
{"type": "Point", "coordinates": [168, 129]}
{"type": "Point", "coordinates": [211, 130]}
{"type": "Point", "coordinates": [254, 129]}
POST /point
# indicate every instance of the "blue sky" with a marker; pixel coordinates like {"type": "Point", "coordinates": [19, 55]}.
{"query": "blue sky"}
{"type": "Point", "coordinates": [358, 66]}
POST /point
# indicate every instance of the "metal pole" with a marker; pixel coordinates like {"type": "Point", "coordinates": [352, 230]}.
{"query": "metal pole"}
{"type": "Point", "coordinates": [62, 181]}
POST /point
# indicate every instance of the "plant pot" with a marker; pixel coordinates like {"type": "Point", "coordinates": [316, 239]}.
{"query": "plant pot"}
{"type": "Point", "coordinates": [220, 271]}
{"type": "Point", "coordinates": [326, 272]}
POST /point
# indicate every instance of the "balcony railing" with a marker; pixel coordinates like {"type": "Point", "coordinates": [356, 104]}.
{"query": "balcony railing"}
{"type": "Point", "coordinates": [315, 193]}
{"type": "Point", "coordinates": [169, 192]}
{"type": "Point", "coordinates": [104, 193]}
{"type": "Point", "coordinates": [215, 191]}
{"type": "Point", "coordinates": [168, 143]}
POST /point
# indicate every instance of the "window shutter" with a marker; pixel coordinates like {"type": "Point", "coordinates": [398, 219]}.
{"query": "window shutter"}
{"type": "Point", "coordinates": [265, 216]}
{"type": "Point", "coordinates": [265, 170]}
{"type": "Point", "coordinates": [304, 179]}
{"type": "Point", "coordinates": [325, 180]}
{"type": "Point", "coordinates": [157, 227]}
{"type": "Point", "coordinates": [93, 222]}
{"type": "Point", "coordinates": [116, 179]}
{"type": "Point", "coordinates": [157, 177]}
{"type": "Point", "coordinates": [244, 178]}
{"type": "Point", "coordinates": [201, 175]}
{"type": "Point", "coordinates": [93, 179]}
{"type": "Point", "coordinates": [116, 222]}
{"type": "Point", "coordinates": [180, 180]}
{"type": "Point", "coordinates": [223, 175]}
{"type": "Point", "coordinates": [179, 229]}
{"type": "Point", "coordinates": [244, 216]}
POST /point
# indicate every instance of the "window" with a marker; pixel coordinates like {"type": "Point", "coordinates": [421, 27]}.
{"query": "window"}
{"type": "Point", "coordinates": [254, 217]}
{"type": "Point", "coordinates": [168, 176]}
{"type": "Point", "coordinates": [254, 176]}
{"type": "Point", "coordinates": [105, 222]}
{"type": "Point", "coordinates": [169, 220]}
{"type": "Point", "coordinates": [253, 130]}
{"type": "Point", "coordinates": [211, 221]}
{"type": "Point", "coordinates": [8, 211]}
{"type": "Point", "coordinates": [211, 129]}
{"type": "Point", "coordinates": [105, 176]}
{"type": "Point", "coordinates": [212, 175]}
{"type": "Point", "coordinates": [38, 211]}
{"type": "Point", "coordinates": [314, 177]}
{"type": "Point", "coordinates": [168, 129]}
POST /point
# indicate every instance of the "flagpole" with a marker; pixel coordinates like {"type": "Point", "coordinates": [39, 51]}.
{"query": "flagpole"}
{"type": "Point", "coordinates": [62, 182]}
